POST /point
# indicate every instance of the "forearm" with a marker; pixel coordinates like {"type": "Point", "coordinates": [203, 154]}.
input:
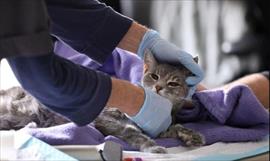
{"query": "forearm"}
{"type": "Point", "coordinates": [133, 37]}
{"type": "Point", "coordinates": [75, 92]}
{"type": "Point", "coordinates": [126, 97]}
{"type": "Point", "coordinates": [151, 112]}
{"type": "Point", "coordinates": [258, 83]}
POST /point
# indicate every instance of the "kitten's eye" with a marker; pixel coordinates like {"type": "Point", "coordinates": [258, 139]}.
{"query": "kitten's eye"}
{"type": "Point", "coordinates": [154, 76]}
{"type": "Point", "coordinates": [173, 84]}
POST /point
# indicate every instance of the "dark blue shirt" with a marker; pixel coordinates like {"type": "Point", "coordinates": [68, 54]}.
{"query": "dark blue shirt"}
{"type": "Point", "coordinates": [74, 91]}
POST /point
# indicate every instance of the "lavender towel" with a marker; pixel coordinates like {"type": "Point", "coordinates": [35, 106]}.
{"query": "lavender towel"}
{"type": "Point", "coordinates": [228, 116]}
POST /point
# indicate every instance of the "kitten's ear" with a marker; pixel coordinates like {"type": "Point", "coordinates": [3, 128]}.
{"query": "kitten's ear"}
{"type": "Point", "coordinates": [196, 59]}
{"type": "Point", "coordinates": [149, 60]}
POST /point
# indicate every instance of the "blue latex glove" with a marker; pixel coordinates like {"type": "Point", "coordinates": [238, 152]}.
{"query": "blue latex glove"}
{"type": "Point", "coordinates": [167, 52]}
{"type": "Point", "coordinates": [155, 114]}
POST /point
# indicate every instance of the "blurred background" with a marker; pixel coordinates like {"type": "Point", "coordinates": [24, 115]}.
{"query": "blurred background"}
{"type": "Point", "coordinates": [231, 37]}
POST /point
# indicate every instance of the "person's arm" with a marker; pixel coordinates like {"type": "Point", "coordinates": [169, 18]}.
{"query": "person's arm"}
{"type": "Point", "coordinates": [76, 92]}
{"type": "Point", "coordinates": [132, 39]}
{"type": "Point", "coordinates": [132, 97]}
{"type": "Point", "coordinates": [88, 26]}
{"type": "Point", "coordinates": [100, 31]}
{"type": "Point", "coordinates": [257, 82]}
{"type": "Point", "coordinates": [94, 29]}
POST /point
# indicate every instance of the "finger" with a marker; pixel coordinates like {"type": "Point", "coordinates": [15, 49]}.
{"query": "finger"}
{"type": "Point", "coordinates": [191, 92]}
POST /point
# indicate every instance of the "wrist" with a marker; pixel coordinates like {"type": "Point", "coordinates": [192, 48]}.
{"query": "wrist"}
{"type": "Point", "coordinates": [147, 42]}
{"type": "Point", "coordinates": [125, 96]}
{"type": "Point", "coordinates": [132, 39]}
{"type": "Point", "coordinates": [154, 105]}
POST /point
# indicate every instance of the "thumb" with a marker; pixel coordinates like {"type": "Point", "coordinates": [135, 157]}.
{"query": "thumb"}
{"type": "Point", "coordinates": [191, 92]}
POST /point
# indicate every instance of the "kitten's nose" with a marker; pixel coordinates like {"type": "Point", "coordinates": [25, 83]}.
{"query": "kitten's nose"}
{"type": "Point", "coordinates": [158, 88]}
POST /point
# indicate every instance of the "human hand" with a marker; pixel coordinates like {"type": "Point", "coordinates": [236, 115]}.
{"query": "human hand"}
{"type": "Point", "coordinates": [167, 52]}
{"type": "Point", "coordinates": [154, 116]}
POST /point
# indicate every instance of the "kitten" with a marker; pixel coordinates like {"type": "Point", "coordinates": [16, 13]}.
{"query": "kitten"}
{"type": "Point", "coordinates": [18, 109]}
{"type": "Point", "coordinates": [167, 81]}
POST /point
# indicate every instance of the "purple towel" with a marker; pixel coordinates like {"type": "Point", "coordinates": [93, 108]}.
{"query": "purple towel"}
{"type": "Point", "coordinates": [227, 116]}
{"type": "Point", "coordinates": [121, 64]}
{"type": "Point", "coordinates": [232, 116]}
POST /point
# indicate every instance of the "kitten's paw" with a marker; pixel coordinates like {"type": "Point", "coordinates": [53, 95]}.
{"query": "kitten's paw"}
{"type": "Point", "coordinates": [189, 137]}
{"type": "Point", "coordinates": [196, 139]}
{"type": "Point", "coordinates": [156, 149]}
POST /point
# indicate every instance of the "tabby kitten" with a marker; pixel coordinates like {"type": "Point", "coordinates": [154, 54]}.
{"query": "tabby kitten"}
{"type": "Point", "coordinates": [18, 108]}
{"type": "Point", "coordinates": [167, 81]}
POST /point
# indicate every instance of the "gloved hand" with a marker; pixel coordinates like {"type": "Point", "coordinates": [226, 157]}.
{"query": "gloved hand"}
{"type": "Point", "coordinates": [155, 114]}
{"type": "Point", "coordinates": [167, 52]}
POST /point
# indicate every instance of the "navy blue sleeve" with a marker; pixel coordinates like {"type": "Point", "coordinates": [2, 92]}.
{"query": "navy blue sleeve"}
{"type": "Point", "coordinates": [74, 91]}
{"type": "Point", "coordinates": [88, 26]}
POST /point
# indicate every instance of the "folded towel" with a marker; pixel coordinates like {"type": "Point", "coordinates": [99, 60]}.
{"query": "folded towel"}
{"type": "Point", "coordinates": [234, 115]}
{"type": "Point", "coordinates": [228, 116]}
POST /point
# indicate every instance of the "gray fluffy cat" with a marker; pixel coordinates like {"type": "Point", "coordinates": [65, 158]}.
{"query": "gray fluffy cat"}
{"type": "Point", "coordinates": [18, 108]}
